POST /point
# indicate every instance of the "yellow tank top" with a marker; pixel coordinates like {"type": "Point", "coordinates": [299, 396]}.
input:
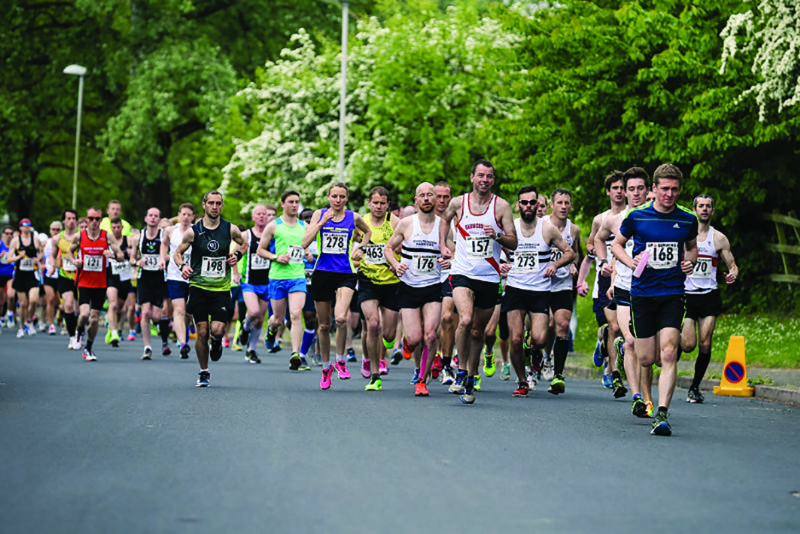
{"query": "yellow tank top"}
{"type": "Point", "coordinates": [373, 264]}
{"type": "Point", "coordinates": [65, 268]}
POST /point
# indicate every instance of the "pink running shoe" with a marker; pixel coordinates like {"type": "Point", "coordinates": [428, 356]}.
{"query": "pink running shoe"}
{"type": "Point", "coordinates": [226, 342]}
{"type": "Point", "coordinates": [384, 370]}
{"type": "Point", "coordinates": [366, 370]}
{"type": "Point", "coordinates": [341, 368]}
{"type": "Point", "coordinates": [325, 381]}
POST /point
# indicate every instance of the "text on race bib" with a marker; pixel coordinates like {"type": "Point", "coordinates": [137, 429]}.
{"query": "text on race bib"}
{"type": "Point", "coordinates": [93, 263]}
{"type": "Point", "coordinates": [121, 269]}
{"type": "Point", "coordinates": [212, 267]}
{"type": "Point", "coordinates": [259, 264]}
{"type": "Point", "coordinates": [555, 254]}
{"type": "Point", "coordinates": [187, 258]}
{"type": "Point", "coordinates": [151, 262]}
{"type": "Point", "coordinates": [423, 264]}
{"type": "Point", "coordinates": [527, 262]}
{"type": "Point", "coordinates": [296, 254]}
{"type": "Point", "coordinates": [373, 254]}
{"type": "Point", "coordinates": [663, 255]}
{"type": "Point", "coordinates": [26, 264]}
{"type": "Point", "coordinates": [703, 268]}
{"type": "Point", "coordinates": [68, 265]}
{"type": "Point", "coordinates": [334, 243]}
{"type": "Point", "coordinates": [479, 246]}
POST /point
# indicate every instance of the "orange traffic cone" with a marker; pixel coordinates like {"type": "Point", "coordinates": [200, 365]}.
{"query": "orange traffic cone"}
{"type": "Point", "coordinates": [734, 374]}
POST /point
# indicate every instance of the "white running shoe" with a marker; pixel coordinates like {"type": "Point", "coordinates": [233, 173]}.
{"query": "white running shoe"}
{"type": "Point", "coordinates": [548, 368]}
{"type": "Point", "coordinates": [20, 333]}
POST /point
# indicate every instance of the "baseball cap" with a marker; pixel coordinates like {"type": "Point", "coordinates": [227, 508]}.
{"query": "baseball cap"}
{"type": "Point", "coordinates": [25, 222]}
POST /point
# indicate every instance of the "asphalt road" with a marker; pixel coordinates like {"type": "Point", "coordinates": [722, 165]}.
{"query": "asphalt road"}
{"type": "Point", "coordinates": [123, 445]}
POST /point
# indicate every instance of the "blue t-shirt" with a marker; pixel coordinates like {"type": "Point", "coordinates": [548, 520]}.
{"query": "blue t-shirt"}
{"type": "Point", "coordinates": [664, 236]}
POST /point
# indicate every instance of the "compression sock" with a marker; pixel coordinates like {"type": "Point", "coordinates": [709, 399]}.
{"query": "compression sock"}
{"type": "Point", "coordinates": [72, 322]}
{"type": "Point", "coordinates": [490, 340]}
{"type": "Point", "coordinates": [255, 334]}
{"type": "Point", "coordinates": [560, 350]}
{"type": "Point", "coordinates": [308, 340]}
{"type": "Point", "coordinates": [163, 329]}
{"type": "Point", "coordinates": [424, 361]}
{"type": "Point", "coordinates": [700, 367]}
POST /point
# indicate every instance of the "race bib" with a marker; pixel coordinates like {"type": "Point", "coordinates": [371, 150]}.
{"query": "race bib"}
{"type": "Point", "coordinates": [373, 254]}
{"type": "Point", "coordinates": [527, 262]}
{"type": "Point", "coordinates": [259, 264]}
{"type": "Point", "coordinates": [213, 267]}
{"type": "Point", "coordinates": [555, 254]}
{"type": "Point", "coordinates": [703, 268]}
{"type": "Point", "coordinates": [26, 264]}
{"type": "Point", "coordinates": [121, 269]}
{"type": "Point", "coordinates": [423, 264]}
{"type": "Point", "coordinates": [309, 274]}
{"type": "Point", "coordinates": [67, 265]}
{"type": "Point", "coordinates": [93, 264]}
{"type": "Point", "coordinates": [151, 262]}
{"type": "Point", "coordinates": [187, 258]}
{"type": "Point", "coordinates": [334, 243]}
{"type": "Point", "coordinates": [479, 246]}
{"type": "Point", "coordinates": [296, 254]}
{"type": "Point", "coordinates": [662, 255]}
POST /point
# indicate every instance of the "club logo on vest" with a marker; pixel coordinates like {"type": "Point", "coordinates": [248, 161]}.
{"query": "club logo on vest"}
{"type": "Point", "coordinates": [213, 246]}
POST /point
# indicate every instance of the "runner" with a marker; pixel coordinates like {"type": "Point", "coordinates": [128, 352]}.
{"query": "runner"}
{"type": "Point", "coordinates": [6, 269]}
{"type": "Point", "coordinates": [95, 245]}
{"type": "Point", "coordinates": [209, 276]}
{"type": "Point", "coordinates": [703, 302]}
{"type": "Point", "coordinates": [637, 183]}
{"type": "Point", "coordinates": [114, 211]}
{"type": "Point", "coordinates": [281, 244]}
{"type": "Point", "coordinates": [528, 285]}
{"type": "Point", "coordinates": [66, 273]}
{"type": "Point", "coordinates": [255, 285]}
{"type": "Point", "coordinates": [177, 287]}
{"type": "Point", "coordinates": [666, 234]}
{"type": "Point", "coordinates": [377, 287]}
{"type": "Point", "coordinates": [119, 275]}
{"type": "Point", "coordinates": [50, 279]}
{"type": "Point", "coordinates": [309, 310]}
{"type": "Point", "coordinates": [334, 277]}
{"type": "Point", "coordinates": [561, 283]}
{"type": "Point", "coordinates": [419, 294]}
{"type": "Point", "coordinates": [24, 251]}
{"type": "Point", "coordinates": [151, 285]}
{"type": "Point", "coordinates": [481, 218]}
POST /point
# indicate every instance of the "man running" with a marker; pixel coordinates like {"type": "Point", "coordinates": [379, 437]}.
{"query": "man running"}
{"type": "Point", "coordinates": [665, 236]}
{"type": "Point", "coordinates": [483, 226]}
{"type": "Point", "coordinates": [119, 276]}
{"type": "Point", "coordinates": [420, 293]}
{"type": "Point", "coordinates": [209, 275]}
{"type": "Point", "coordinates": [24, 251]}
{"type": "Point", "coordinates": [66, 273]}
{"type": "Point", "coordinates": [255, 285]}
{"type": "Point", "coordinates": [151, 285]}
{"type": "Point", "coordinates": [703, 302]}
{"type": "Point", "coordinates": [281, 244]}
{"type": "Point", "coordinates": [177, 286]}
{"type": "Point", "coordinates": [334, 278]}
{"type": "Point", "coordinates": [95, 245]}
{"type": "Point", "coordinates": [114, 211]}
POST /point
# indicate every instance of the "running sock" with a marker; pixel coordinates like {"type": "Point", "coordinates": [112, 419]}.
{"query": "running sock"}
{"type": "Point", "coordinates": [340, 358]}
{"type": "Point", "coordinates": [89, 345]}
{"type": "Point", "coordinates": [247, 325]}
{"type": "Point", "coordinates": [375, 377]}
{"type": "Point", "coordinates": [560, 350]}
{"type": "Point", "coordinates": [662, 409]}
{"type": "Point", "coordinates": [615, 375]}
{"type": "Point", "coordinates": [326, 365]}
{"type": "Point", "coordinates": [700, 367]}
{"type": "Point", "coordinates": [308, 340]}
{"type": "Point", "coordinates": [72, 321]}
{"type": "Point", "coordinates": [163, 329]}
{"type": "Point", "coordinates": [79, 332]}
{"type": "Point", "coordinates": [424, 361]}
{"type": "Point", "coordinates": [469, 384]}
{"type": "Point", "coordinates": [255, 335]}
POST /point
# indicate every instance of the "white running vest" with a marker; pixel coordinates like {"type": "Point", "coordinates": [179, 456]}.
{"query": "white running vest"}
{"type": "Point", "coordinates": [704, 277]}
{"type": "Point", "coordinates": [530, 260]}
{"type": "Point", "coordinates": [477, 255]}
{"type": "Point", "coordinates": [562, 281]}
{"type": "Point", "coordinates": [421, 252]}
{"type": "Point", "coordinates": [596, 287]}
{"type": "Point", "coordinates": [175, 238]}
{"type": "Point", "coordinates": [624, 275]}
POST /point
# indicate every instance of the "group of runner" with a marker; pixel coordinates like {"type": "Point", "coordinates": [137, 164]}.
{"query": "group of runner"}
{"type": "Point", "coordinates": [444, 278]}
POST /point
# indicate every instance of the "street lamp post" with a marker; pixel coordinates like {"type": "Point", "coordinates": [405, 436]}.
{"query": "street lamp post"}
{"type": "Point", "coordinates": [80, 72]}
{"type": "Point", "coordinates": [343, 94]}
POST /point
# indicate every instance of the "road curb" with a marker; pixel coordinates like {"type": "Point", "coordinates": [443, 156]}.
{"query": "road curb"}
{"type": "Point", "coordinates": [770, 393]}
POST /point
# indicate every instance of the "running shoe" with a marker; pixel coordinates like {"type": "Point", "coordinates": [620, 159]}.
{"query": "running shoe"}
{"type": "Point", "coordinates": [89, 356]}
{"type": "Point", "coordinates": [505, 373]}
{"type": "Point", "coordinates": [64, 331]}
{"type": "Point", "coordinates": [108, 337]}
{"type": "Point", "coordinates": [548, 368]}
{"type": "Point", "coordinates": [304, 366]}
{"type": "Point", "coordinates": [366, 369]}
{"type": "Point", "coordinates": [448, 376]}
{"type": "Point", "coordinates": [373, 385]}
{"type": "Point", "coordinates": [30, 329]}
{"type": "Point", "coordinates": [351, 355]}
{"type": "Point", "coordinates": [406, 353]}
{"type": "Point", "coordinates": [477, 383]}
{"type": "Point", "coordinates": [537, 359]}
{"type": "Point", "coordinates": [638, 408]}
{"type": "Point", "coordinates": [147, 354]}
{"type": "Point", "coordinates": [607, 379]}
{"type": "Point", "coordinates": [20, 333]}
{"type": "Point", "coordinates": [532, 379]}
{"type": "Point", "coordinates": [215, 351]}
{"type": "Point", "coordinates": [115, 339]}
{"type": "Point", "coordinates": [694, 396]}
{"type": "Point", "coordinates": [619, 388]}
{"type": "Point", "coordinates": [227, 343]}
{"type": "Point", "coordinates": [488, 365]}
{"type": "Point", "coordinates": [521, 391]}
{"type": "Point", "coordinates": [415, 377]}
{"type": "Point", "coordinates": [421, 390]}
{"type": "Point", "coordinates": [244, 338]}
{"type": "Point", "coordinates": [51, 331]}
{"type": "Point", "coordinates": [294, 362]}
{"type": "Point", "coordinates": [649, 408]}
{"type": "Point", "coordinates": [457, 387]}
{"type": "Point", "coordinates": [234, 346]}
{"type": "Point", "coordinates": [252, 357]}
{"type": "Point", "coordinates": [661, 425]}
{"type": "Point", "coordinates": [619, 346]}
{"type": "Point", "coordinates": [436, 367]}
{"type": "Point", "coordinates": [341, 370]}
{"type": "Point", "coordinates": [383, 369]}
{"type": "Point", "coordinates": [165, 350]}
{"type": "Point", "coordinates": [74, 344]}
{"type": "Point", "coordinates": [204, 379]}
{"type": "Point", "coordinates": [317, 359]}
{"type": "Point", "coordinates": [325, 381]}
{"type": "Point", "coordinates": [468, 397]}
{"type": "Point", "coordinates": [397, 355]}
{"type": "Point", "coordinates": [131, 336]}
{"type": "Point", "coordinates": [185, 349]}
{"type": "Point", "coordinates": [557, 386]}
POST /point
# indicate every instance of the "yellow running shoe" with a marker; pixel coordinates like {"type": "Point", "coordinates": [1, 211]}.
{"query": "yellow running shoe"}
{"type": "Point", "coordinates": [488, 365]}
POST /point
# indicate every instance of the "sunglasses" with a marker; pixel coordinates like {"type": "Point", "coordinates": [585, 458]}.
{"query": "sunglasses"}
{"type": "Point", "coordinates": [93, 218]}
{"type": "Point", "coordinates": [8, 233]}
{"type": "Point", "coordinates": [55, 229]}
{"type": "Point", "coordinates": [528, 202]}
